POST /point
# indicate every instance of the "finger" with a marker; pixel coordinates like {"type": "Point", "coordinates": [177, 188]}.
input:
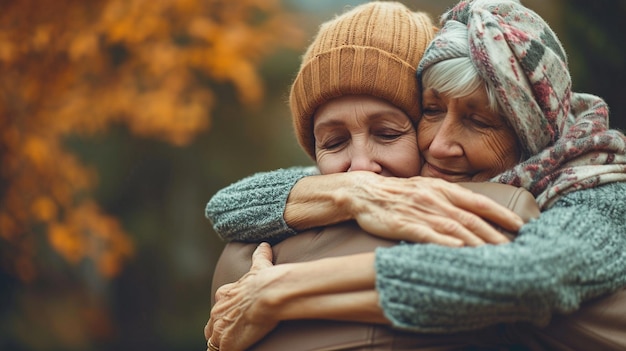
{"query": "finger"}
{"type": "Point", "coordinates": [425, 234]}
{"type": "Point", "coordinates": [431, 229]}
{"type": "Point", "coordinates": [212, 345]}
{"type": "Point", "coordinates": [222, 291]}
{"type": "Point", "coordinates": [208, 329]}
{"type": "Point", "coordinates": [492, 236]}
{"type": "Point", "coordinates": [452, 223]}
{"type": "Point", "coordinates": [215, 336]}
{"type": "Point", "coordinates": [262, 257]}
{"type": "Point", "coordinates": [453, 228]}
{"type": "Point", "coordinates": [490, 210]}
{"type": "Point", "coordinates": [473, 226]}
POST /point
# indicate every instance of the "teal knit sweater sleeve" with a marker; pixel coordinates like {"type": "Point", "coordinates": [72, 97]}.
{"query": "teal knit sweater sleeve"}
{"type": "Point", "coordinates": [252, 209]}
{"type": "Point", "coordinates": [574, 251]}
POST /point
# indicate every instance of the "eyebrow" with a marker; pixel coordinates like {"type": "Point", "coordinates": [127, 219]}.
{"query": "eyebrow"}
{"type": "Point", "coordinates": [477, 104]}
{"type": "Point", "coordinates": [370, 117]}
{"type": "Point", "coordinates": [471, 103]}
{"type": "Point", "coordinates": [328, 124]}
{"type": "Point", "coordinates": [382, 114]}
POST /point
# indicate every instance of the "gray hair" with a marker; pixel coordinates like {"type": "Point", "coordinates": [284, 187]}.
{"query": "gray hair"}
{"type": "Point", "coordinates": [458, 77]}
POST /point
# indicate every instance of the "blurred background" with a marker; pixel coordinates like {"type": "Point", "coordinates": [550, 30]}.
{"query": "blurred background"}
{"type": "Point", "coordinates": [120, 118]}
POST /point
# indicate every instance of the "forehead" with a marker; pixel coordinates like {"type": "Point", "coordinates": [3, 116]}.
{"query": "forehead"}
{"type": "Point", "coordinates": [364, 107]}
{"type": "Point", "coordinates": [476, 99]}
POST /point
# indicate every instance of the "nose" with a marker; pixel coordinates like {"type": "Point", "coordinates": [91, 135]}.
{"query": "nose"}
{"type": "Point", "coordinates": [362, 158]}
{"type": "Point", "coordinates": [446, 140]}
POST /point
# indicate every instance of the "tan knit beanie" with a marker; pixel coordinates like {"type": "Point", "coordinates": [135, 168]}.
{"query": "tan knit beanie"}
{"type": "Point", "coordinates": [373, 49]}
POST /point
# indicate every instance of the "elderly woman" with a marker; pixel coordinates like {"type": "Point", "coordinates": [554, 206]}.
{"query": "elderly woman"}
{"type": "Point", "coordinates": [511, 102]}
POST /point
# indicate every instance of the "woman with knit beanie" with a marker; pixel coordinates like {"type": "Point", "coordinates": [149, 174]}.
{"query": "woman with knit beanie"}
{"type": "Point", "coordinates": [569, 160]}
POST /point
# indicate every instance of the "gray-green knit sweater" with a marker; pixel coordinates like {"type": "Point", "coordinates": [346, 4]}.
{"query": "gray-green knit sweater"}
{"type": "Point", "coordinates": [574, 251]}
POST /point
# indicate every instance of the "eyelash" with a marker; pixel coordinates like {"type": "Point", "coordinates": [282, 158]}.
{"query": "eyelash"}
{"type": "Point", "coordinates": [333, 143]}
{"type": "Point", "coordinates": [386, 135]}
{"type": "Point", "coordinates": [389, 134]}
{"type": "Point", "coordinates": [431, 112]}
{"type": "Point", "coordinates": [480, 124]}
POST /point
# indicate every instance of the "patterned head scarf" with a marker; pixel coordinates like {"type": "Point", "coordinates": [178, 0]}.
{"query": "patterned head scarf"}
{"type": "Point", "coordinates": [564, 136]}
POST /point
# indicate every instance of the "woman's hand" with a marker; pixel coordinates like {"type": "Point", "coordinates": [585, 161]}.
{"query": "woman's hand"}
{"type": "Point", "coordinates": [336, 288]}
{"type": "Point", "coordinates": [425, 210]}
{"type": "Point", "coordinates": [239, 317]}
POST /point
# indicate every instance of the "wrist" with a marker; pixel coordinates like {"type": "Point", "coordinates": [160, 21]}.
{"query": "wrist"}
{"type": "Point", "coordinates": [275, 291]}
{"type": "Point", "coordinates": [346, 193]}
{"type": "Point", "coordinates": [322, 200]}
{"type": "Point", "coordinates": [356, 194]}
{"type": "Point", "coordinates": [276, 301]}
{"type": "Point", "coordinates": [316, 290]}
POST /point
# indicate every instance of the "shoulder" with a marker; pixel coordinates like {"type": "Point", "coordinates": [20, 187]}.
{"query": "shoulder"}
{"type": "Point", "coordinates": [606, 201]}
{"type": "Point", "coordinates": [611, 195]}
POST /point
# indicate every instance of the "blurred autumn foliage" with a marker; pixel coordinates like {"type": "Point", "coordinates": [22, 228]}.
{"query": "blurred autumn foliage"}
{"type": "Point", "coordinates": [107, 160]}
{"type": "Point", "coordinates": [73, 67]}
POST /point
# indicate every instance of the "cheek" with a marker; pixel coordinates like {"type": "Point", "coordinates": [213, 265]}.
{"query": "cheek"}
{"type": "Point", "coordinates": [402, 159]}
{"type": "Point", "coordinates": [425, 134]}
{"type": "Point", "coordinates": [331, 162]}
{"type": "Point", "coordinates": [503, 153]}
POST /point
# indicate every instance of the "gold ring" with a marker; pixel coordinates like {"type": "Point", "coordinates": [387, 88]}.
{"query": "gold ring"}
{"type": "Point", "coordinates": [213, 347]}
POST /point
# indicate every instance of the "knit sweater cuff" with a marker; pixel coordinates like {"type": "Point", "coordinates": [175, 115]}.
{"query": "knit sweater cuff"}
{"type": "Point", "coordinates": [252, 209]}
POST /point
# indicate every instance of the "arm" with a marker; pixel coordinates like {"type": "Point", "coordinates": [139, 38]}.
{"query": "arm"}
{"type": "Point", "coordinates": [252, 209]}
{"type": "Point", "coordinates": [415, 209]}
{"type": "Point", "coordinates": [253, 306]}
{"type": "Point", "coordinates": [573, 252]}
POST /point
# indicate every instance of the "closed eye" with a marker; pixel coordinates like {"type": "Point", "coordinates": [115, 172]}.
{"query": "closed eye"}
{"type": "Point", "coordinates": [389, 135]}
{"type": "Point", "coordinates": [431, 112]}
{"type": "Point", "coordinates": [479, 122]}
{"type": "Point", "coordinates": [333, 143]}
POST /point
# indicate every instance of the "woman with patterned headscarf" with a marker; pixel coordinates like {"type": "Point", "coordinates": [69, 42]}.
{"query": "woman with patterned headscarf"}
{"type": "Point", "coordinates": [564, 136]}
{"type": "Point", "coordinates": [497, 105]}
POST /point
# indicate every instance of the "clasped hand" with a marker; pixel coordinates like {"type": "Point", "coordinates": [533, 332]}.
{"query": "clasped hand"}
{"type": "Point", "coordinates": [238, 318]}
{"type": "Point", "coordinates": [426, 210]}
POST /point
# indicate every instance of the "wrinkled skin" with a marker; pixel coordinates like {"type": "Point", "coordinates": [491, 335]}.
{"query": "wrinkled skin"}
{"type": "Point", "coordinates": [237, 321]}
{"type": "Point", "coordinates": [463, 140]}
